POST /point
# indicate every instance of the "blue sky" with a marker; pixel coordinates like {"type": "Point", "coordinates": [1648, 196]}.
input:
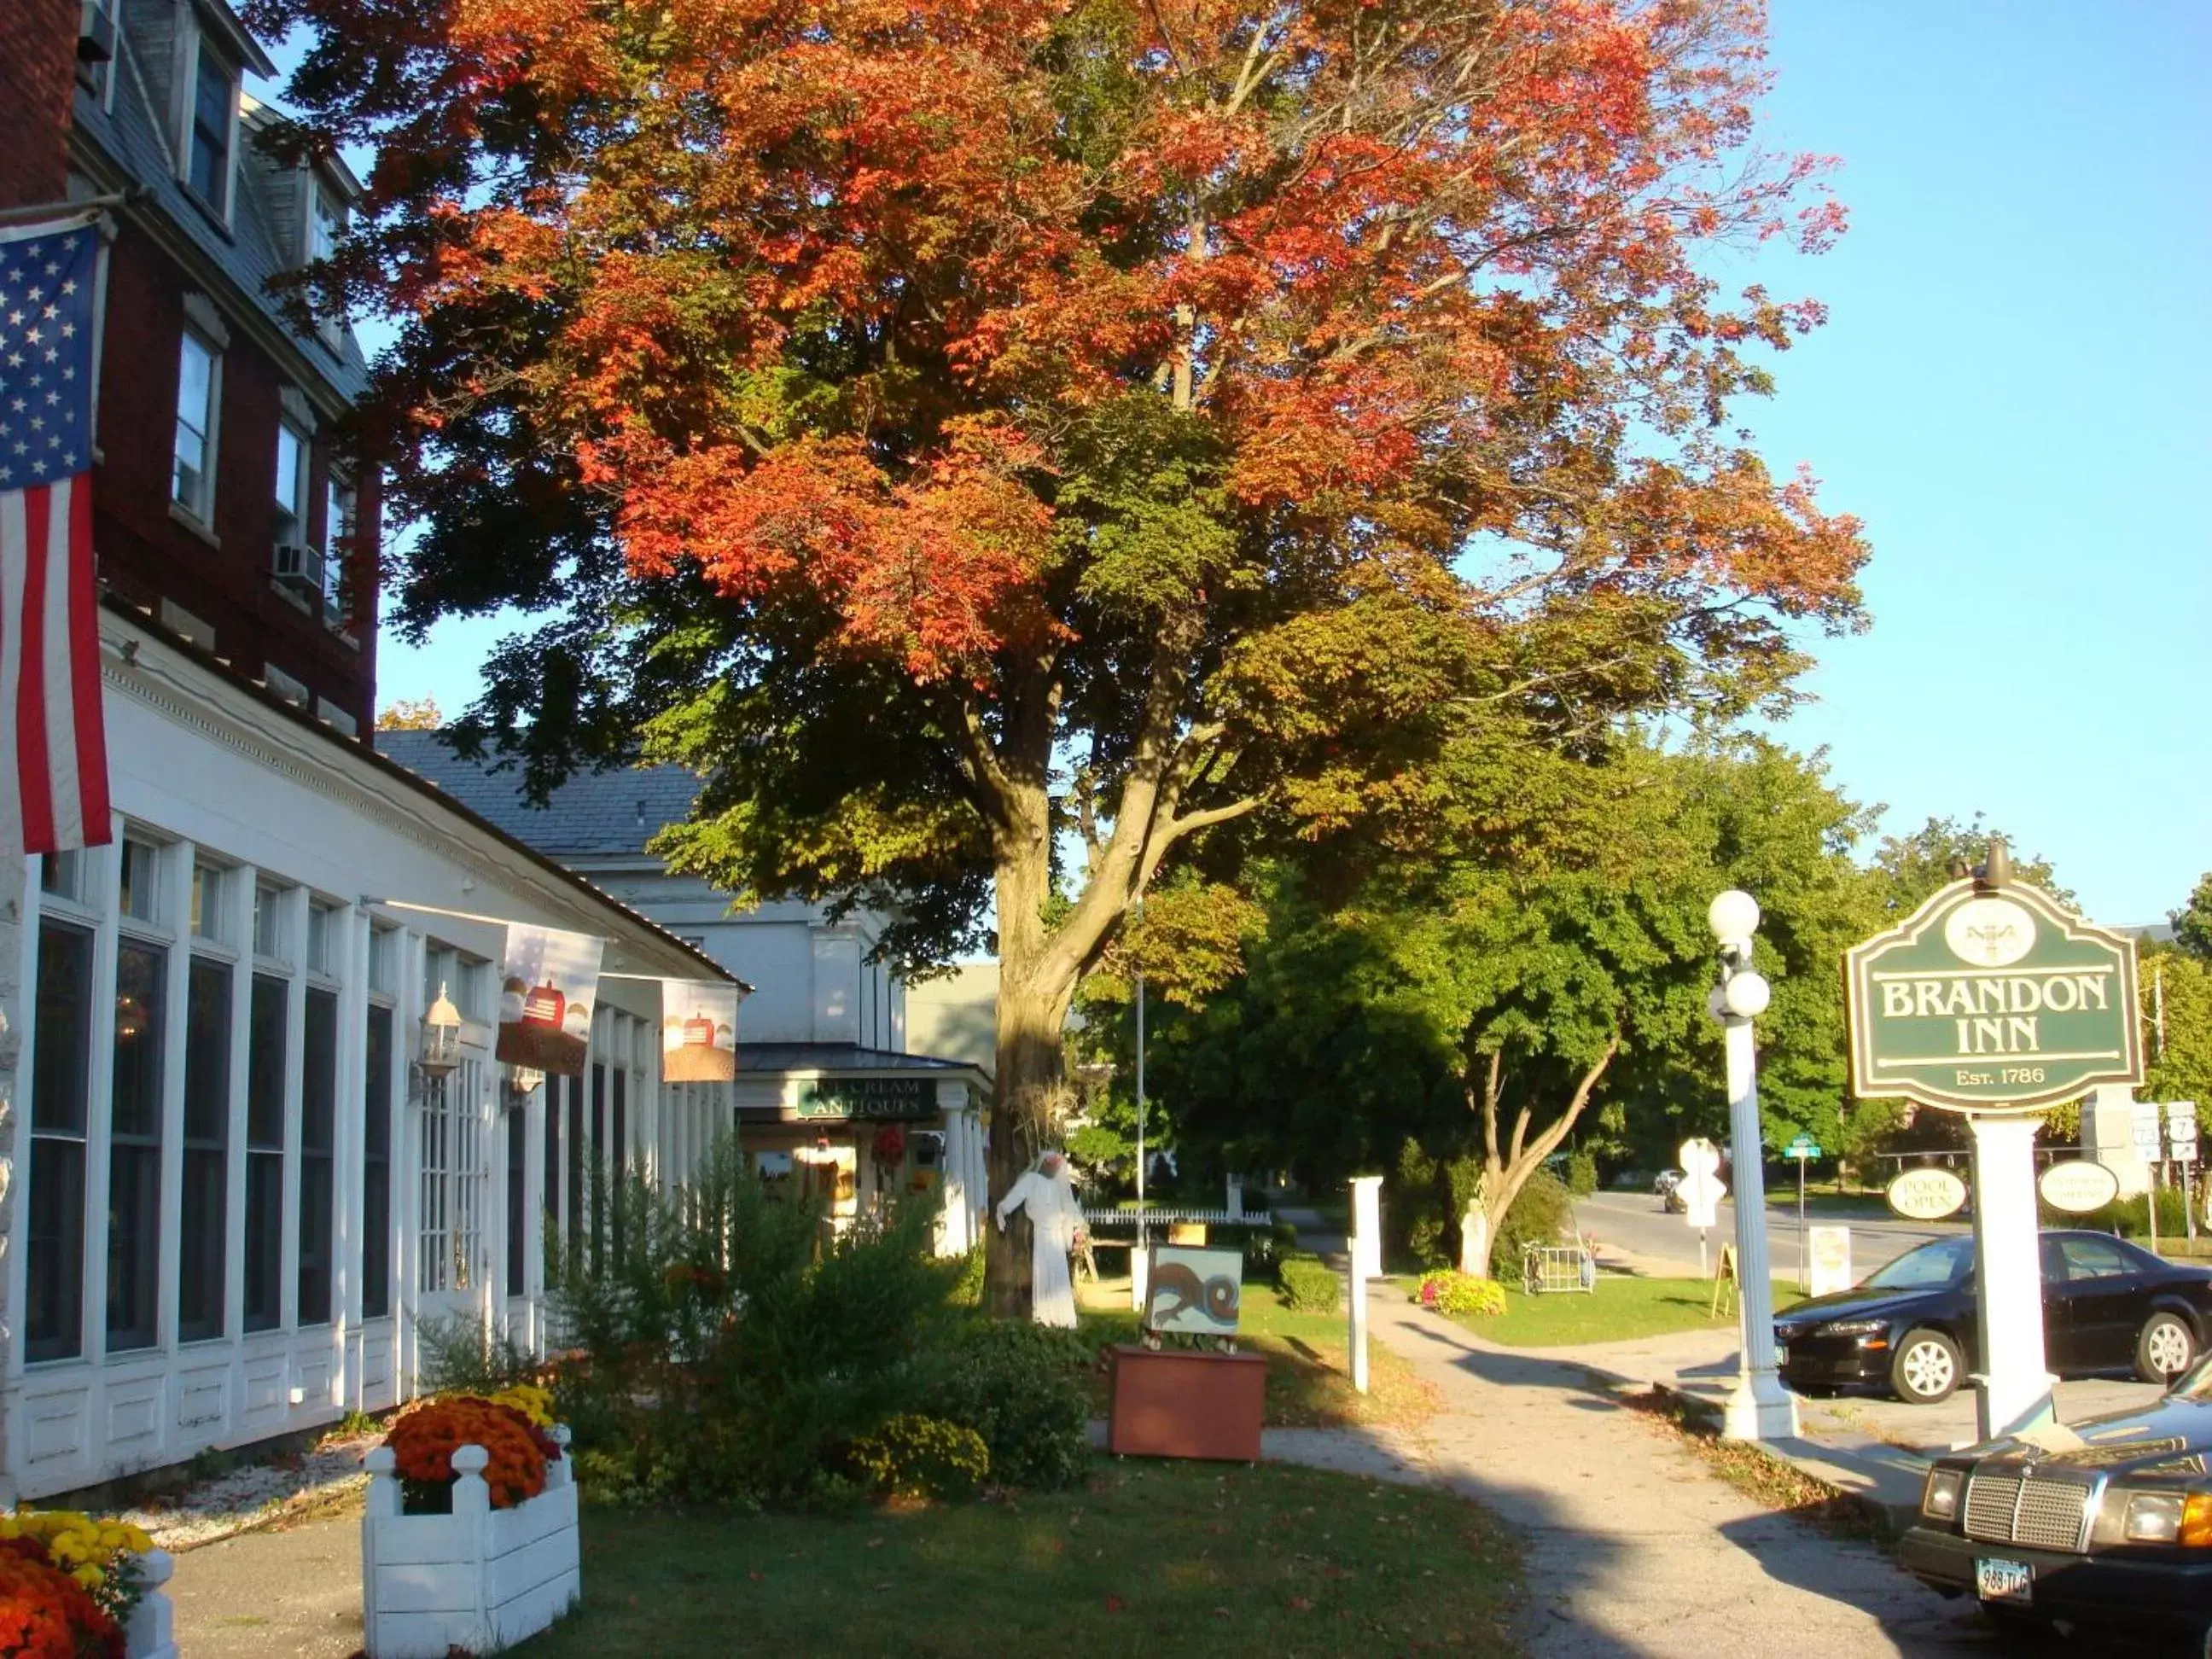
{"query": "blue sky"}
{"type": "Point", "coordinates": [2011, 391]}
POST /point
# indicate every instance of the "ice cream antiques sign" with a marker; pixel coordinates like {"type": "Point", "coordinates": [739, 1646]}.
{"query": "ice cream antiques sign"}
{"type": "Point", "coordinates": [1992, 997]}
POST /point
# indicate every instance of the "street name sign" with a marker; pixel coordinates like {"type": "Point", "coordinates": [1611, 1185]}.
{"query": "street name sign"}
{"type": "Point", "coordinates": [2077, 1186]}
{"type": "Point", "coordinates": [1927, 1194]}
{"type": "Point", "coordinates": [1991, 1000]}
{"type": "Point", "coordinates": [1802, 1148]}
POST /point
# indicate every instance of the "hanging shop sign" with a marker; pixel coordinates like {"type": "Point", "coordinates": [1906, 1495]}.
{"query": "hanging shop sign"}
{"type": "Point", "coordinates": [1927, 1194]}
{"type": "Point", "coordinates": [865, 1099]}
{"type": "Point", "coordinates": [548, 984]}
{"type": "Point", "coordinates": [698, 1031]}
{"type": "Point", "coordinates": [1991, 999]}
{"type": "Point", "coordinates": [2077, 1186]}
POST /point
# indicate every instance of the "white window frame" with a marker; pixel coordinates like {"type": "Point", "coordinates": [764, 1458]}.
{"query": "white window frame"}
{"type": "Point", "coordinates": [296, 507]}
{"type": "Point", "coordinates": [341, 517]}
{"type": "Point", "coordinates": [191, 46]}
{"type": "Point", "coordinates": [201, 507]}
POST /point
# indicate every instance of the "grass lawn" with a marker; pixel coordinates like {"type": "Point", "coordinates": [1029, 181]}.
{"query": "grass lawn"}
{"type": "Point", "coordinates": [1150, 1559]}
{"type": "Point", "coordinates": [1622, 1307]}
{"type": "Point", "coordinates": [1308, 1380]}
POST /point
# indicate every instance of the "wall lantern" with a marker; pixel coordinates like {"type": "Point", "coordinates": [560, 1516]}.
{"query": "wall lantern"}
{"type": "Point", "coordinates": [442, 1037]}
{"type": "Point", "coordinates": [522, 1080]}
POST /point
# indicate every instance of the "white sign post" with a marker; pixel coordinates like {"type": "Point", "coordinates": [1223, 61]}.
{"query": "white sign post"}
{"type": "Point", "coordinates": [2181, 1136]}
{"type": "Point", "coordinates": [2146, 1126]}
{"type": "Point", "coordinates": [1366, 1252]}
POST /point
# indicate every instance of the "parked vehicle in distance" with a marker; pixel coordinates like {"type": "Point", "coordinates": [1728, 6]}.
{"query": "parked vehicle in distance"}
{"type": "Point", "coordinates": [1909, 1326]}
{"type": "Point", "coordinates": [1667, 1184]}
{"type": "Point", "coordinates": [2105, 1526]}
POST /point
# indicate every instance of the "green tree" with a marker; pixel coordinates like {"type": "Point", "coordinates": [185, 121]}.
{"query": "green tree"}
{"type": "Point", "coordinates": [2176, 995]}
{"type": "Point", "coordinates": [1911, 867]}
{"type": "Point", "coordinates": [2192, 923]}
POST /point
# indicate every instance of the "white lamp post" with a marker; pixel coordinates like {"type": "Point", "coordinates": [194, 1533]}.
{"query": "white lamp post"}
{"type": "Point", "coordinates": [1758, 1406]}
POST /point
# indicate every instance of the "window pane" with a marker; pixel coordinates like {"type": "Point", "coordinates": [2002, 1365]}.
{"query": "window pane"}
{"type": "Point", "coordinates": [139, 895]}
{"type": "Point", "coordinates": [518, 1197]}
{"type": "Point", "coordinates": [318, 1093]}
{"type": "Point", "coordinates": [574, 1220]}
{"type": "Point", "coordinates": [53, 1325]}
{"type": "Point", "coordinates": [133, 1170]}
{"type": "Point", "coordinates": [211, 106]}
{"type": "Point", "coordinates": [63, 875]}
{"type": "Point", "coordinates": [376, 1172]}
{"type": "Point", "coordinates": [195, 418]}
{"type": "Point", "coordinates": [204, 1218]}
{"type": "Point", "coordinates": [550, 1195]}
{"type": "Point", "coordinates": [265, 1155]}
{"type": "Point", "coordinates": [207, 918]}
{"type": "Point", "coordinates": [291, 484]}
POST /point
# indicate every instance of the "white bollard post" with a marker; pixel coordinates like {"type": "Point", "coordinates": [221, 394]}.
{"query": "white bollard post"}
{"type": "Point", "coordinates": [1365, 1248]}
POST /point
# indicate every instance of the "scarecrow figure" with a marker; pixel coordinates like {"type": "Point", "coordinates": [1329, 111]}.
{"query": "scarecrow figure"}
{"type": "Point", "coordinates": [1048, 1193]}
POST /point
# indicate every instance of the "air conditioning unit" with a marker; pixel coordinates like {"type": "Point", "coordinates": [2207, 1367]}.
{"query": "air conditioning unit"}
{"type": "Point", "coordinates": [300, 568]}
{"type": "Point", "coordinates": [95, 32]}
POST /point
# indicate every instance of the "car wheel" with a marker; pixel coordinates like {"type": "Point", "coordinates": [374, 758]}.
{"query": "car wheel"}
{"type": "Point", "coordinates": [1926, 1369]}
{"type": "Point", "coordinates": [2165, 1349]}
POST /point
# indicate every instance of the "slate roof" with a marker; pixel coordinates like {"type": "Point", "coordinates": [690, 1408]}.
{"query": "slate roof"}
{"type": "Point", "coordinates": [262, 241]}
{"type": "Point", "coordinates": [615, 812]}
{"type": "Point", "coordinates": [837, 1057]}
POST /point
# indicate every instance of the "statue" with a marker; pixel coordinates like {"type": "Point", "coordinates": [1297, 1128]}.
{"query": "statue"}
{"type": "Point", "coordinates": [1048, 1193]}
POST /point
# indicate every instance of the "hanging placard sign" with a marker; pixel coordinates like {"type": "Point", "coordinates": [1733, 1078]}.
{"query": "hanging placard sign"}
{"type": "Point", "coordinates": [2078, 1186]}
{"type": "Point", "coordinates": [698, 1031]}
{"type": "Point", "coordinates": [1927, 1194]}
{"type": "Point", "coordinates": [548, 983]}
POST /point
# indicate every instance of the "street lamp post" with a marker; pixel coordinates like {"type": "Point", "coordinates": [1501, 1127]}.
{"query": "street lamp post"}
{"type": "Point", "coordinates": [1758, 1406]}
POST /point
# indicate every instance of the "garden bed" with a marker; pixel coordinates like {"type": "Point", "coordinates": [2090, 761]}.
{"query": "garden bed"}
{"type": "Point", "coordinates": [1624, 1308]}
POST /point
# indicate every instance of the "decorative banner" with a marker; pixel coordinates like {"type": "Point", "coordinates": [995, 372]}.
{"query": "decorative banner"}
{"type": "Point", "coordinates": [1199, 1290]}
{"type": "Point", "coordinates": [547, 984]}
{"type": "Point", "coordinates": [1991, 1000]}
{"type": "Point", "coordinates": [2077, 1186]}
{"type": "Point", "coordinates": [1927, 1194]}
{"type": "Point", "coordinates": [698, 1031]}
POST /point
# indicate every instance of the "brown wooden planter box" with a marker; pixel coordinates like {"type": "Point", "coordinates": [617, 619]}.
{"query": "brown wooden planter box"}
{"type": "Point", "coordinates": [1179, 1403]}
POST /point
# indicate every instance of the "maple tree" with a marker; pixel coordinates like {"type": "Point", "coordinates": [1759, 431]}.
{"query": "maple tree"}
{"type": "Point", "coordinates": [1147, 427]}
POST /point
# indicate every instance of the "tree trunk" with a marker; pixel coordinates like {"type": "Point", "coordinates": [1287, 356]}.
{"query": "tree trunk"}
{"type": "Point", "coordinates": [1506, 1169]}
{"type": "Point", "coordinates": [1029, 1081]}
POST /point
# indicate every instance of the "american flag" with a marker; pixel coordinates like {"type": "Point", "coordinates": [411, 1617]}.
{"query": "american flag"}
{"type": "Point", "coordinates": [53, 752]}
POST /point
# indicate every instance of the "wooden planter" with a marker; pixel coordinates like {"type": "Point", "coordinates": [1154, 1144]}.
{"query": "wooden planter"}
{"type": "Point", "coordinates": [1179, 1403]}
{"type": "Point", "coordinates": [479, 1579]}
{"type": "Point", "coordinates": [151, 1633]}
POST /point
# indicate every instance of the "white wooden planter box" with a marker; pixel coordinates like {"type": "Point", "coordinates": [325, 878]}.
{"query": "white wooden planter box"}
{"type": "Point", "coordinates": [479, 1579]}
{"type": "Point", "coordinates": [150, 1633]}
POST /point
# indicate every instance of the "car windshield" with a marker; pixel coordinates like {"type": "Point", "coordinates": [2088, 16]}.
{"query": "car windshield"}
{"type": "Point", "coordinates": [1943, 1262]}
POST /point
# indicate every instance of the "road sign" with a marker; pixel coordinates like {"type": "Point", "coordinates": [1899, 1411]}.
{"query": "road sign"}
{"type": "Point", "coordinates": [2181, 1128]}
{"type": "Point", "coordinates": [1702, 1188]}
{"type": "Point", "coordinates": [1991, 999]}
{"type": "Point", "coordinates": [1927, 1194]}
{"type": "Point", "coordinates": [2143, 1128]}
{"type": "Point", "coordinates": [1802, 1148]}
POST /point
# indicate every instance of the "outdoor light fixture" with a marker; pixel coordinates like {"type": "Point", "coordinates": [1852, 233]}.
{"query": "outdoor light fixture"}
{"type": "Point", "coordinates": [1733, 918]}
{"type": "Point", "coordinates": [442, 1037]}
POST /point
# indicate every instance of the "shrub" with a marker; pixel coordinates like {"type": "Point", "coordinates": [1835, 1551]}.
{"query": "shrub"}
{"type": "Point", "coordinates": [464, 1356]}
{"type": "Point", "coordinates": [968, 1289]}
{"type": "Point", "coordinates": [1265, 1247]}
{"type": "Point", "coordinates": [916, 1456]}
{"type": "Point", "coordinates": [1582, 1172]}
{"type": "Point", "coordinates": [2131, 1217]}
{"type": "Point", "coordinates": [1463, 1295]}
{"type": "Point", "coordinates": [1310, 1285]}
{"type": "Point", "coordinates": [1020, 1387]}
{"type": "Point", "coordinates": [1540, 1212]}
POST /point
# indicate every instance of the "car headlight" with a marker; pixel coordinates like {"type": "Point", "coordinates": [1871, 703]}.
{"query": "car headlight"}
{"type": "Point", "coordinates": [1940, 1499]}
{"type": "Point", "coordinates": [1854, 1328]}
{"type": "Point", "coordinates": [2153, 1517]}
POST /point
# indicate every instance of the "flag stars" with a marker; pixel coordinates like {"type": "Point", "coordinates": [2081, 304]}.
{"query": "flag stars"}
{"type": "Point", "coordinates": [69, 287]}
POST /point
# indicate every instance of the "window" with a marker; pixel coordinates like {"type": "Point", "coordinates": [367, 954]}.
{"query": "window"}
{"type": "Point", "coordinates": [384, 960]}
{"type": "Point", "coordinates": [198, 377]}
{"type": "Point", "coordinates": [376, 1170]}
{"type": "Point", "coordinates": [269, 929]}
{"type": "Point", "coordinates": [215, 101]}
{"type": "Point", "coordinates": [620, 1163]}
{"type": "Point", "coordinates": [574, 1232]}
{"type": "Point", "coordinates": [207, 918]}
{"type": "Point", "coordinates": [291, 496]}
{"type": "Point", "coordinates": [555, 1091]}
{"type": "Point", "coordinates": [134, 1158]}
{"type": "Point", "coordinates": [204, 1214]}
{"type": "Point", "coordinates": [325, 223]}
{"type": "Point", "coordinates": [322, 935]}
{"type": "Point", "coordinates": [598, 1163]}
{"type": "Point", "coordinates": [62, 875]}
{"type": "Point", "coordinates": [451, 1210]}
{"type": "Point", "coordinates": [53, 1324]}
{"type": "Point", "coordinates": [337, 548]}
{"type": "Point", "coordinates": [318, 1098]}
{"type": "Point", "coordinates": [2093, 1258]}
{"type": "Point", "coordinates": [140, 895]}
{"type": "Point", "coordinates": [265, 1155]}
{"type": "Point", "coordinates": [517, 1198]}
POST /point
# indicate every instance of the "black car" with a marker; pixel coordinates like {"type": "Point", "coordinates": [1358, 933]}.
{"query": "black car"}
{"type": "Point", "coordinates": [1909, 1327]}
{"type": "Point", "coordinates": [2104, 1526]}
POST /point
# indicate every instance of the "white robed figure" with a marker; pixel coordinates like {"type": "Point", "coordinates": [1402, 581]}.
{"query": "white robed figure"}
{"type": "Point", "coordinates": [1048, 1193]}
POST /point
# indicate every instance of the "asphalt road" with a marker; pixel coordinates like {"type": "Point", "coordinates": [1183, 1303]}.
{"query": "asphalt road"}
{"type": "Point", "coordinates": [1634, 1222]}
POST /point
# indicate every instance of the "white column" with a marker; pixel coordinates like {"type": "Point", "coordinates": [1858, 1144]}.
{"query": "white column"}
{"type": "Point", "coordinates": [18, 925]}
{"type": "Point", "coordinates": [1365, 1249]}
{"type": "Point", "coordinates": [1758, 1406]}
{"type": "Point", "coordinates": [2013, 1387]}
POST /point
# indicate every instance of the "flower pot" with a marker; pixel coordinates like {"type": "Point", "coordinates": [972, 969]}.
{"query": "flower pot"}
{"type": "Point", "coordinates": [1182, 1402]}
{"type": "Point", "coordinates": [480, 1579]}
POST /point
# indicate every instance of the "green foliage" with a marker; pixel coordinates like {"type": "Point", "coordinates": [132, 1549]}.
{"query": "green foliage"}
{"type": "Point", "coordinates": [1310, 1285]}
{"type": "Point", "coordinates": [1913, 866]}
{"type": "Point", "coordinates": [462, 1356]}
{"type": "Point", "coordinates": [1461, 1294]}
{"type": "Point", "coordinates": [968, 1289]}
{"type": "Point", "coordinates": [2192, 923]}
{"type": "Point", "coordinates": [916, 1456]}
{"type": "Point", "coordinates": [1542, 1211]}
{"type": "Point", "coordinates": [2183, 984]}
{"type": "Point", "coordinates": [1582, 1172]}
{"type": "Point", "coordinates": [1265, 1248]}
{"type": "Point", "coordinates": [1020, 1387]}
{"type": "Point", "coordinates": [2131, 1217]}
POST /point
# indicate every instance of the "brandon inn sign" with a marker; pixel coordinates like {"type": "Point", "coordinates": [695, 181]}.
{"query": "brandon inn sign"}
{"type": "Point", "coordinates": [1994, 1001]}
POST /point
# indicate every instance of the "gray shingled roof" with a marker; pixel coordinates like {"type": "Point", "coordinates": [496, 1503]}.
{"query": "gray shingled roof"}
{"type": "Point", "coordinates": [837, 1057]}
{"type": "Point", "coordinates": [254, 249]}
{"type": "Point", "coordinates": [603, 812]}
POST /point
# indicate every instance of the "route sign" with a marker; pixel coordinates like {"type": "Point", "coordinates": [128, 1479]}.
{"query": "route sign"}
{"type": "Point", "coordinates": [1991, 999]}
{"type": "Point", "coordinates": [2143, 1129]}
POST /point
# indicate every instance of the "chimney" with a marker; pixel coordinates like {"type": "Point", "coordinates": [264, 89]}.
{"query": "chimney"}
{"type": "Point", "coordinates": [38, 82]}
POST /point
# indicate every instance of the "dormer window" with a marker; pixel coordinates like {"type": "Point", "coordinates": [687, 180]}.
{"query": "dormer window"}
{"type": "Point", "coordinates": [213, 127]}
{"type": "Point", "coordinates": [325, 223]}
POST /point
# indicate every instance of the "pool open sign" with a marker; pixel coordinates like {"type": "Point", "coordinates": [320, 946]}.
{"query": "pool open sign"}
{"type": "Point", "coordinates": [1991, 1000]}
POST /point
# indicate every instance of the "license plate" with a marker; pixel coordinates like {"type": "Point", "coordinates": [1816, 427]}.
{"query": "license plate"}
{"type": "Point", "coordinates": [2001, 1581]}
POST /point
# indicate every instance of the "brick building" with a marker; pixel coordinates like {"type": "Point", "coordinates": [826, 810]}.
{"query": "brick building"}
{"type": "Point", "coordinates": [232, 1189]}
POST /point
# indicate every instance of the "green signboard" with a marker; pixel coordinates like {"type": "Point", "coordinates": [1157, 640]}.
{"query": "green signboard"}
{"type": "Point", "coordinates": [1991, 999]}
{"type": "Point", "coordinates": [867, 1099]}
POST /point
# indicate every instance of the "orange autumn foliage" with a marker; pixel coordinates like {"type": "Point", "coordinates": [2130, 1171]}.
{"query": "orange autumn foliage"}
{"type": "Point", "coordinates": [46, 1614]}
{"type": "Point", "coordinates": [424, 1440]}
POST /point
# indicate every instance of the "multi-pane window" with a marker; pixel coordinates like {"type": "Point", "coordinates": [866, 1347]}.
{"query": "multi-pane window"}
{"type": "Point", "coordinates": [139, 895]}
{"type": "Point", "coordinates": [192, 484]}
{"type": "Point", "coordinates": [268, 929]}
{"type": "Point", "coordinates": [134, 1158]}
{"type": "Point", "coordinates": [450, 1211]}
{"type": "Point", "coordinates": [376, 1168]}
{"type": "Point", "coordinates": [264, 1153]}
{"type": "Point", "coordinates": [53, 1320]}
{"type": "Point", "coordinates": [62, 875]}
{"type": "Point", "coordinates": [323, 936]}
{"type": "Point", "coordinates": [337, 548]}
{"type": "Point", "coordinates": [214, 101]}
{"type": "Point", "coordinates": [203, 1211]}
{"type": "Point", "coordinates": [319, 1094]}
{"type": "Point", "coordinates": [325, 223]}
{"type": "Point", "coordinates": [291, 496]}
{"type": "Point", "coordinates": [208, 921]}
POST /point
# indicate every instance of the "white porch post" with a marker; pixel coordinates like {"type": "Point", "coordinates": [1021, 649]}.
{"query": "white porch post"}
{"type": "Point", "coordinates": [14, 938]}
{"type": "Point", "coordinates": [955, 1233]}
{"type": "Point", "coordinates": [2013, 1387]}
